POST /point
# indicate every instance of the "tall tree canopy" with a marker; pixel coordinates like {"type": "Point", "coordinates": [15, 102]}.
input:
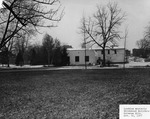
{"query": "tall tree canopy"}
{"type": "Point", "coordinates": [102, 28]}
{"type": "Point", "coordinates": [48, 45]}
{"type": "Point", "coordinates": [27, 16]}
{"type": "Point", "coordinates": [144, 43]}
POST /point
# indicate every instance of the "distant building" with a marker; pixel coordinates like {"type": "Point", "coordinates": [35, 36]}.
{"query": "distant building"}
{"type": "Point", "coordinates": [67, 46]}
{"type": "Point", "coordinates": [144, 53]}
{"type": "Point", "coordinates": [77, 56]}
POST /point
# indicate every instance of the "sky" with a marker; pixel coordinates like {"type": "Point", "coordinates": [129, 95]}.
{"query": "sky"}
{"type": "Point", "coordinates": [1, 3]}
{"type": "Point", "coordinates": [138, 18]}
{"type": "Point", "coordinates": [68, 32]}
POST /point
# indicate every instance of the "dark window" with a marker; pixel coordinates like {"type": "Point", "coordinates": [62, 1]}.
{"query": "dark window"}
{"type": "Point", "coordinates": [115, 51]}
{"type": "Point", "coordinates": [102, 52]}
{"type": "Point", "coordinates": [108, 51]}
{"type": "Point", "coordinates": [87, 58]}
{"type": "Point", "coordinates": [76, 58]}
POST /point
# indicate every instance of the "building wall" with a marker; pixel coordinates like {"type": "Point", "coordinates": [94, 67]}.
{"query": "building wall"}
{"type": "Point", "coordinates": [113, 55]}
{"type": "Point", "coordinates": [81, 53]}
{"type": "Point", "coordinates": [119, 57]}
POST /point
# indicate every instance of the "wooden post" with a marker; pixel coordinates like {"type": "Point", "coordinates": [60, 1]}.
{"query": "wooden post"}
{"type": "Point", "coordinates": [85, 48]}
{"type": "Point", "coordinates": [125, 39]}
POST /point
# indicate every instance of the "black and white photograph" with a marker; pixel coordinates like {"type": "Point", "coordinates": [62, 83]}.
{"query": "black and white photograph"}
{"type": "Point", "coordinates": [74, 59]}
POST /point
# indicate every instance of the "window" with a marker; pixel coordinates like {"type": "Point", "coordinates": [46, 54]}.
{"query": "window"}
{"type": "Point", "coordinates": [87, 58]}
{"type": "Point", "coordinates": [115, 51]}
{"type": "Point", "coordinates": [108, 51]}
{"type": "Point", "coordinates": [102, 52]}
{"type": "Point", "coordinates": [76, 58]}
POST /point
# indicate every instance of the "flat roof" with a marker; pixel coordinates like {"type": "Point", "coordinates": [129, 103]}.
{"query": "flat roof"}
{"type": "Point", "coordinates": [81, 49]}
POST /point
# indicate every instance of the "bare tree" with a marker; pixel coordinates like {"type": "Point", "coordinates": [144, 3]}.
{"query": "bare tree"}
{"type": "Point", "coordinates": [18, 43]}
{"type": "Point", "coordinates": [21, 43]}
{"type": "Point", "coordinates": [48, 44]}
{"type": "Point", "coordinates": [9, 47]}
{"type": "Point", "coordinates": [102, 28]}
{"type": "Point", "coordinates": [147, 32]}
{"type": "Point", "coordinates": [27, 15]}
{"type": "Point", "coordinates": [143, 43]}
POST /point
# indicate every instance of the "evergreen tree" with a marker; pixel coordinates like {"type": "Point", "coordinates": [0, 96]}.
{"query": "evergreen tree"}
{"type": "Point", "coordinates": [65, 60]}
{"type": "Point", "coordinates": [33, 60]}
{"type": "Point", "coordinates": [4, 56]}
{"type": "Point", "coordinates": [19, 59]}
{"type": "Point", "coordinates": [57, 60]}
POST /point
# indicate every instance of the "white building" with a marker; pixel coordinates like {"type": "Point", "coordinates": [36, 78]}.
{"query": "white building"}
{"type": "Point", "coordinates": [77, 56]}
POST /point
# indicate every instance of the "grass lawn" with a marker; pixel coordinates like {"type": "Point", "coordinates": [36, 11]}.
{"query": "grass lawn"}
{"type": "Point", "coordinates": [71, 94]}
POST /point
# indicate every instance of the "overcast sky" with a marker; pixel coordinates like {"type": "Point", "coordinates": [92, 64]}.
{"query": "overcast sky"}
{"type": "Point", "coordinates": [138, 17]}
{"type": "Point", "coordinates": [1, 3]}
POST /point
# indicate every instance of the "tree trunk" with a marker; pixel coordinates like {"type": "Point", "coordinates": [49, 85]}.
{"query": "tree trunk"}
{"type": "Point", "coordinates": [104, 59]}
{"type": "Point", "coordinates": [8, 61]}
{"type": "Point", "coordinates": [48, 58]}
{"type": "Point", "coordinates": [52, 57]}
